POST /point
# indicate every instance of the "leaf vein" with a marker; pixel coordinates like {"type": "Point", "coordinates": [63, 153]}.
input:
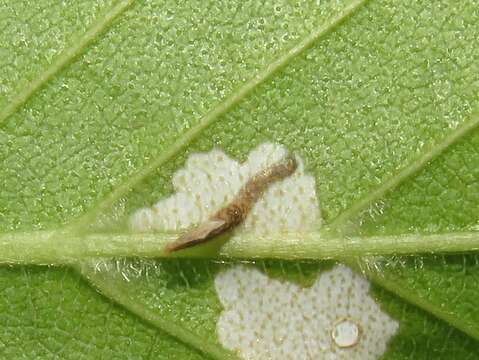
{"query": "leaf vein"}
{"type": "Point", "coordinates": [412, 297]}
{"type": "Point", "coordinates": [406, 172]}
{"type": "Point", "coordinates": [64, 58]}
{"type": "Point", "coordinates": [220, 109]}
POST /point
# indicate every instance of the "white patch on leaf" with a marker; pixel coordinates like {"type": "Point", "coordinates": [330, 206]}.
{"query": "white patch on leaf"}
{"type": "Point", "coordinates": [209, 181]}
{"type": "Point", "coordinates": [266, 318]}
{"type": "Point", "coordinates": [336, 318]}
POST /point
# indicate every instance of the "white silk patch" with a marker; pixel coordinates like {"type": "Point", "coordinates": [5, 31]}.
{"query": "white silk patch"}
{"type": "Point", "coordinates": [334, 319]}
{"type": "Point", "coordinates": [210, 180]}
{"type": "Point", "coordinates": [264, 318]}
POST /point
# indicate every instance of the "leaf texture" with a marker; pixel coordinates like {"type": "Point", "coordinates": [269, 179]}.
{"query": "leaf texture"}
{"type": "Point", "coordinates": [101, 102]}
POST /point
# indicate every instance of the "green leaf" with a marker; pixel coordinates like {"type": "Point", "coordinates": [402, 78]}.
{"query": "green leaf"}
{"type": "Point", "coordinates": [50, 314]}
{"type": "Point", "coordinates": [103, 101]}
{"type": "Point", "coordinates": [445, 198]}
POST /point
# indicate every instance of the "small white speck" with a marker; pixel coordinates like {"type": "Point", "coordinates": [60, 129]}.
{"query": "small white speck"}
{"type": "Point", "coordinates": [345, 333]}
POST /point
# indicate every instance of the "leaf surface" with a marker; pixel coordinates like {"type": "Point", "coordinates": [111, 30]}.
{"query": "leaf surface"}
{"type": "Point", "coordinates": [103, 102]}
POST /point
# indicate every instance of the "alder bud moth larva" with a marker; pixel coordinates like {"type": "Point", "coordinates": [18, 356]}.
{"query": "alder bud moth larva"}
{"type": "Point", "coordinates": [236, 211]}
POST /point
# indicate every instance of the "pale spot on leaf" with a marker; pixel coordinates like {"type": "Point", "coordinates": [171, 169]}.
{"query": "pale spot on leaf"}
{"type": "Point", "coordinates": [336, 318]}
{"type": "Point", "coordinates": [209, 181]}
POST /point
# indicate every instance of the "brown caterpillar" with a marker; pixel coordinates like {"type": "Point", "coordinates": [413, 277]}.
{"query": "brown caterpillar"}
{"type": "Point", "coordinates": [236, 211]}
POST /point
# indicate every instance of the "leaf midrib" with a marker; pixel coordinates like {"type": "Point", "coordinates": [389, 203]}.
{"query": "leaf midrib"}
{"type": "Point", "coordinates": [70, 53]}
{"type": "Point", "coordinates": [59, 247]}
{"type": "Point", "coordinates": [389, 184]}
